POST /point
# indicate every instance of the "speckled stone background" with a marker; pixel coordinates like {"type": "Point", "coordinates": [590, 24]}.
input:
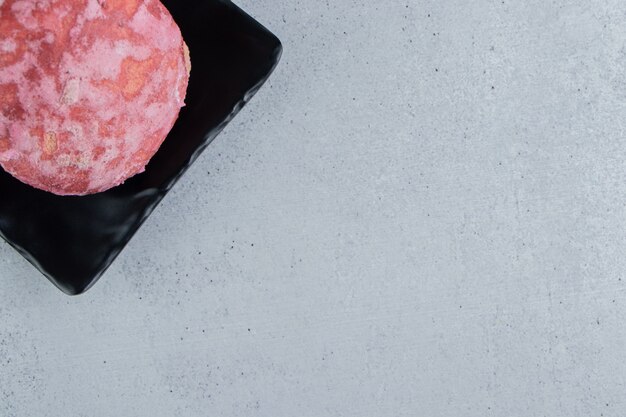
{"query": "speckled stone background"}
{"type": "Point", "coordinates": [422, 214]}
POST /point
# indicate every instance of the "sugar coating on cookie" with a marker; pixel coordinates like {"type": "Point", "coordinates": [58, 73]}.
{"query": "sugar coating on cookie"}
{"type": "Point", "coordinates": [89, 89]}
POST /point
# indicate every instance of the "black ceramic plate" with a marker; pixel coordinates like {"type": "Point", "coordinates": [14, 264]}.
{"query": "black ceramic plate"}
{"type": "Point", "coordinates": [73, 240]}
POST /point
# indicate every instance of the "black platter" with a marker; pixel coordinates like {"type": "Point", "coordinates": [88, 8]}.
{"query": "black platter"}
{"type": "Point", "coordinates": [73, 240]}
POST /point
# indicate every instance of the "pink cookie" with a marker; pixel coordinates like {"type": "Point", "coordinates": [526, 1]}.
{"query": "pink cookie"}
{"type": "Point", "coordinates": [89, 89]}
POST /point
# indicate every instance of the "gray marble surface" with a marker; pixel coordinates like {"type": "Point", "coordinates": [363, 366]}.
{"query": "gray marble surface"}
{"type": "Point", "coordinates": [422, 214]}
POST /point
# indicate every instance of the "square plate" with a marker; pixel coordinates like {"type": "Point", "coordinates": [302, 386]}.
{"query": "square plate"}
{"type": "Point", "coordinates": [73, 240]}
